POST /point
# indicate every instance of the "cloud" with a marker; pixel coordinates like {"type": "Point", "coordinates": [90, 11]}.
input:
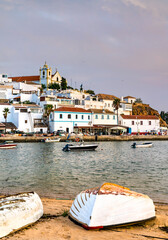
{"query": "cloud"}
{"type": "Point", "coordinates": [135, 3]}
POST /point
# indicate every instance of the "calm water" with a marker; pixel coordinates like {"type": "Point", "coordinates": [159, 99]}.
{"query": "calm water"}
{"type": "Point", "coordinates": [46, 169]}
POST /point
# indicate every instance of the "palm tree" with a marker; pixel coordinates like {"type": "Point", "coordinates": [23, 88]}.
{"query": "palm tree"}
{"type": "Point", "coordinates": [116, 105]}
{"type": "Point", "coordinates": [5, 114]}
{"type": "Point", "coordinates": [48, 109]}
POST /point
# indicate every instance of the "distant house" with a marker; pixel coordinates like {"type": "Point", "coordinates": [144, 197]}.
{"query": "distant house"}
{"type": "Point", "coordinates": [66, 118]}
{"type": "Point", "coordinates": [140, 124]}
{"type": "Point", "coordinates": [129, 99]}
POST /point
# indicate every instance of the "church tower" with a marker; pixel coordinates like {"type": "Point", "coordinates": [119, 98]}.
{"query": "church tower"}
{"type": "Point", "coordinates": [45, 75]}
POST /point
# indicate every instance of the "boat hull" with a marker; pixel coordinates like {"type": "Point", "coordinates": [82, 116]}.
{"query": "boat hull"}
{"type": "Point", "coordinates": [100, 210]}
{"type": "Point", "coordinates": [144, 145]}
{"type": "Point", "coordinates": [8, 146]}
{"type": "Point", "coordinates": [18, 211]}
{"type": "Point", "coordinates": [82, 147]}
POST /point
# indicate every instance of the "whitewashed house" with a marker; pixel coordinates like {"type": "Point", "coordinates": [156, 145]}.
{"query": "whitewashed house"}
{"type": "Point", "coordinates": [6, 92]}
{"type": "Point", "coordinates": [66, 118]}
{"type": "Point", "coordinates": [28, 118]}
{"type": "Point", "coordinates": [129, 99]}
{"type": "Point", "coordinates": [140, 124]}
{"type": "Point", "coordinates": [4, 78]}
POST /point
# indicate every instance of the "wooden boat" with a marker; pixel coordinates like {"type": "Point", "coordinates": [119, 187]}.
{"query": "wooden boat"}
{"type": "Point", "coordinates": [143, 145]}
{"type": "Point", "coordinates": [52, 139]}
{"type": "Point", "coordinates": [7, 146]}
{"type": "Point", "coordinates": [110, 205]}
{"type": "Point", "coordinates": [79, 147]}
{"type": "Point", "coordinates": [18, 211]}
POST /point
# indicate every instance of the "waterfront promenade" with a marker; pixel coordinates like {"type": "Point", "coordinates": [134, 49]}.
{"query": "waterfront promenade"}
{"type": "Point", "coordinates": [16, 138]}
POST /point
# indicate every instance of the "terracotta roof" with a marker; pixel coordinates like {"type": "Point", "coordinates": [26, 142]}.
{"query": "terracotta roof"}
{"type": "Point", "coordinates": [1, 103]}
{"type": "Point", "coordinates": [71, 109]}
{"type": "Point", "coordinates": [129, 97]}
{"type": "Point", "coordinates": [139, 117]}
{"type": "Point", "coordinates": [10, 125]}
{"type": "Point", "coordinates": [100, 111]}
{"type": "Point", "coordinates": [25, 78]}
{"type": "Point", "coordinates": [25, 105]}
{"type": "Point", "coordinates": [106, 96]}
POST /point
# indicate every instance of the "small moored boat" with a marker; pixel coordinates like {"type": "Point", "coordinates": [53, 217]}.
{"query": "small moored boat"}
{"type": "Point", "coordinates": [7, 146]}
{"type": "Point", "coordinates": [18, 211]}
{"type": "Point", "coordinates": [110, 205]}
{"type": "Point", "coordinates": [142, 145]}
{"type": "Point", "coordinates": [52, 139]}
{"type": "Point", "coordinates": [79, 147]}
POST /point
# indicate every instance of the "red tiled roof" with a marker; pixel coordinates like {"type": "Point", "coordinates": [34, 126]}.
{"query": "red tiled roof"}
{"type": "Point", "coordinates": [106, 96]}
{"type": "Point", "coordinates": [25, 78]}
{"type": "Point", "coordinates": [129, 97]}
{"type": "Point", "coordinates": [139, 117]}
{"type": "Point", "coordinates": [71, 109]}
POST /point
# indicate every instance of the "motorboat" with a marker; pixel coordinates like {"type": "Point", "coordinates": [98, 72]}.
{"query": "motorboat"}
{"type": "Point", "coordinates": [110, 205]}
{"type": "Point", "coordinates": [7, 146]}
{"type": "Point", "coordinates": [142, 145]}
{"type": "Point", "coordinates": [18, 211]}
{"type": "Point", "coordinates": [52, 139]}
{"type": "Point", "coordinates": [79, 147]}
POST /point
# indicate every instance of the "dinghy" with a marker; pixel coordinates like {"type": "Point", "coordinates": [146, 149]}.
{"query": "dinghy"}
{"type": "Point", "coordinates": [18, 211]}
{"type": "Point", "coordinates": [7, 146]}
{"type": "Point", "coordinates": [52, 139]}
{"type": "Point", "coordinates": [79, 147]}
{"type": "Point", "coordinates": [110, 205]}
{"type": "Point", "coordinates": [143, 145]}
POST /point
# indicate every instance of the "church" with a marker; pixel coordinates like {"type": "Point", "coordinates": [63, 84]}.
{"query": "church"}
{"type": "Point", "coordinates": [45, 77]}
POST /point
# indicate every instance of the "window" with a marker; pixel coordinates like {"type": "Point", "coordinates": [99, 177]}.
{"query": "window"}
{"type": "Point", "coordinates": [49, 73]}
{"type": "Point", "coordinates": [114, 117]}
{"type": "Point", "coordinates": [60, 115]}
{"type": "Point", "coordinates": [141, 122]}
{"type": "Point", "coordinates": [149, 122]}
{"type": "Point", "coordinates": [23, 110]}
{"type": "Point", "coordinates": [43, 74]}
{"type": "Point", "coordinates": [96, 116]}
{"type": "Point", "coordinates": [25, 121]}
{"type": "Point", "coordinates": [132, 122]}
{"type": "Point", "coordinates": [57, 78]}
{"type": "Point", "coordinates": [76, 116]}
{"type": "Point", "coordinates": [108, 117]}
{"type": "Point", "coordinates": [108, 104]}
{"type": "Point", "coordinates": [69, 116]}
{"type": "Point", "coordinates": [102, 117]}
{"type": "Point", "coordinates": [105, 104]}
{"type": "Point", "coordinates": [82, 116]}
{"type": "Point", "coordinates": [88, 117]}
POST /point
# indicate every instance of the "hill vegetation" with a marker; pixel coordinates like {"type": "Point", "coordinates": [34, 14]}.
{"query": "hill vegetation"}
{"type": "Point", "coordinates": [145, 109]}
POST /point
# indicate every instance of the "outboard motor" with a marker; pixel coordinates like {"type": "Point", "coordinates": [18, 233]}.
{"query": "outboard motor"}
{"type": "Point", "coordinates": [134, 145]}
{"type": "Point", "coordinates": [66, 148]}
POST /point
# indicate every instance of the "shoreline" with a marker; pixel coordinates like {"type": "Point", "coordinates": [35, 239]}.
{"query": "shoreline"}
{"type": "Point", "coordinates": [88, 138]}
{"type": "Point", "coordinates": [55, 224]}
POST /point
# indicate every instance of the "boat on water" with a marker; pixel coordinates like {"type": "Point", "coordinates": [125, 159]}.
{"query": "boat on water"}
{"type": "Point", "coordinates": [110, 205]}
{"type": "Point", "coordinates": [7, 146]}
{"type": "Point", "coordinates": [52, 139]}
{"type": "Point", "coordinates": [79, 147]}
{"type": "Point", "coordinates": [142, 145]}
{"type": "Point", "coordinates": [18, 211]}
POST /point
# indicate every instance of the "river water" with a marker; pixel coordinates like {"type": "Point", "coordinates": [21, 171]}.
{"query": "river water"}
{"type": "Point", "coordinates": [46, 169]}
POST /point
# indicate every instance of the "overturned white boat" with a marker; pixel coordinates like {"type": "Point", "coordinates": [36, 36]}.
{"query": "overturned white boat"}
{"type": "Point", "coordinates": [18, 211]}
{"type": "Point", "coordinates": [110, 205]}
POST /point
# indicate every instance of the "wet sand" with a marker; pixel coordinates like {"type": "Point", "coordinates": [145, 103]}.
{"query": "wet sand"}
{"type": "Point", "coordinates": [54, 226]}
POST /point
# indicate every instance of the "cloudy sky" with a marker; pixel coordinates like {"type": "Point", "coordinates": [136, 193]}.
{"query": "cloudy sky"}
{"type": "Point", "coordinates": [118, 47]}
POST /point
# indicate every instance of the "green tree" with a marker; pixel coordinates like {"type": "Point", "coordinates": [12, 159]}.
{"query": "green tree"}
{"type": "Point", "coordinates": [5, 114]}
{"type": "Point", "coordinates": [54, 86]}
{"type": "Point", "coordinates": [138, 100]}
{"type": "Point", "coordinates": [90, 92]}
{"type": "Point", "coordinates": [63, 84]}
{"type": "Point", "coordinates": [116, 105]}
{"type": "Point", "coordinates": [48, 109]}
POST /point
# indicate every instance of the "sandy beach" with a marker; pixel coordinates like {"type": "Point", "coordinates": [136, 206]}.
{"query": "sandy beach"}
{"type": "Point", "coordinates": [55, 224]}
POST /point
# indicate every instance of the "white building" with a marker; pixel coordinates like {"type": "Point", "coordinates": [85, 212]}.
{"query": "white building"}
{"type": "Point", "coordinates": [6, 92]}
{"type": "Point", "coordinates": [129, 99]}
{"type": "Point", "coordinates": [28, 118]}
{"type": "Point", "coordinates": [103, 117]}
{"type": "Point", "coordinates": [4, 79]}
{"type": "Point", "coordinates": [140, 124]}
{"type": "Point", "coordinates": [66, 118]}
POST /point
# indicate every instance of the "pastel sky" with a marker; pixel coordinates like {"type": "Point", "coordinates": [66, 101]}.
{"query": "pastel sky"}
{"type": "Point", "coordinates": [118, 47]}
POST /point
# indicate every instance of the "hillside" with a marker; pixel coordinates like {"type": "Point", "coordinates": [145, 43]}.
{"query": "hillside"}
{"type": "Point", "coordinates": [145, 109]}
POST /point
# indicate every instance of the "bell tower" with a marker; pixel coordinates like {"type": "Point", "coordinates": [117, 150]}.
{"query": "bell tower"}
{"type": "Point", "coordinates": [45, 75]}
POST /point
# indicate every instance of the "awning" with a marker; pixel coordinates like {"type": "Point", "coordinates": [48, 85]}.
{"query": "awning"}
{"type": "Point", "coordinates": [119, 128]}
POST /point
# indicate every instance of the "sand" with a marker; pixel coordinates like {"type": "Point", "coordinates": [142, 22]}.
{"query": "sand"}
{"type": "Point", "coordinates": [54, 226]}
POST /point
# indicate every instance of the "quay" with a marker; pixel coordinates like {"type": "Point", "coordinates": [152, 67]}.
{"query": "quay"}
{"type": "Point", "coordinates": [88, 138]}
